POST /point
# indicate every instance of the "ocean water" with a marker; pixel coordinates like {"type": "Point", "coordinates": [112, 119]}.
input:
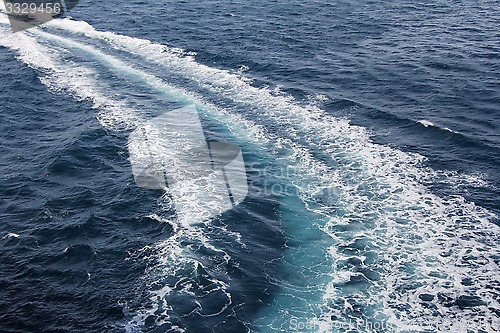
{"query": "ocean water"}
{"type": "Point", "coordinates": [370, 133]}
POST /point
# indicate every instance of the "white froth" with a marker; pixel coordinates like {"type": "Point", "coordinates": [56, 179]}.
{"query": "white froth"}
{"type": "Point", "coordinates": [426, 123]}
{"type": "Point", "coordinates": [79, 81]}
{"type": "Point", "coordinates": [10, 235]}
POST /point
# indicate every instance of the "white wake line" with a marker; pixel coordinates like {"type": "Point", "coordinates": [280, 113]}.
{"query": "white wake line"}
{"type": "Point", "coordinates": [419, 195]}
{"type": "Point", "coordinates": [153, 80]}
{"type": "Point", "coordinates": [235, 87]}
{"type": "Point", "coordinates": [257, 133]}
{"type": "Point", "coordinates": [235, 84]}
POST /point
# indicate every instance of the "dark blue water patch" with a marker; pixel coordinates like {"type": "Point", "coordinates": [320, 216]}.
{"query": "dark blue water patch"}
{"type": "Point", "coordinates": [62, 185]}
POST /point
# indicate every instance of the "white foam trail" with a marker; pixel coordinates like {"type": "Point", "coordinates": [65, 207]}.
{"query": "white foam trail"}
{"type": "Point", "coordinates": [77, 80]}
{"type": "Point", "coordinates": [173, 93]}
{"type": "Point", "coordinates": [393, 199]}
{"type": "Point", "coordinates": [375, 190]}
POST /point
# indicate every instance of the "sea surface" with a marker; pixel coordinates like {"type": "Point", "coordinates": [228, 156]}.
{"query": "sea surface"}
{"type": "Point", "coordinates": [371, 137]}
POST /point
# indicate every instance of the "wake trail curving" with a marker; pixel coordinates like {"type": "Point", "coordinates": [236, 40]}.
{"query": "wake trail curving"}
{"type": "Point", "coordinates": [391, 251]}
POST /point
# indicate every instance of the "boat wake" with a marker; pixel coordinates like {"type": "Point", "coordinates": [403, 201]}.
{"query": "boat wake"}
{"type": "Point", "coordinates": [368, 246]}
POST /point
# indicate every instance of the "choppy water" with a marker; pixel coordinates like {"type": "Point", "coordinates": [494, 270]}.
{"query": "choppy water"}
{"type": "Point", "coordinates": [370, 134]}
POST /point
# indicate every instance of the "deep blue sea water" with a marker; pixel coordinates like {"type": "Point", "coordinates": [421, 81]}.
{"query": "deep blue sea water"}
{"type": "Point", "coordinates": [370, 131]}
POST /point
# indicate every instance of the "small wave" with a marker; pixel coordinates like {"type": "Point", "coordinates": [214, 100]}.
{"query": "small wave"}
{"type": "Point", "coordinates": [10, 235]}
{"type": "Point", "coordinates": [427, 123]}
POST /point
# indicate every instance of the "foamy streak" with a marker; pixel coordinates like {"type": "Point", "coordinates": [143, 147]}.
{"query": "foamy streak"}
{"type": "Point", "coordinates": [10, 235]}
{"type": "Point", "coordinates": [172, 93]}
{"type": "Point", "coordinates": [419, 223]}
{"type": "Point", "coordinates": [79, 81]}
{"type": "Point", "coordinates": [390, 177]}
